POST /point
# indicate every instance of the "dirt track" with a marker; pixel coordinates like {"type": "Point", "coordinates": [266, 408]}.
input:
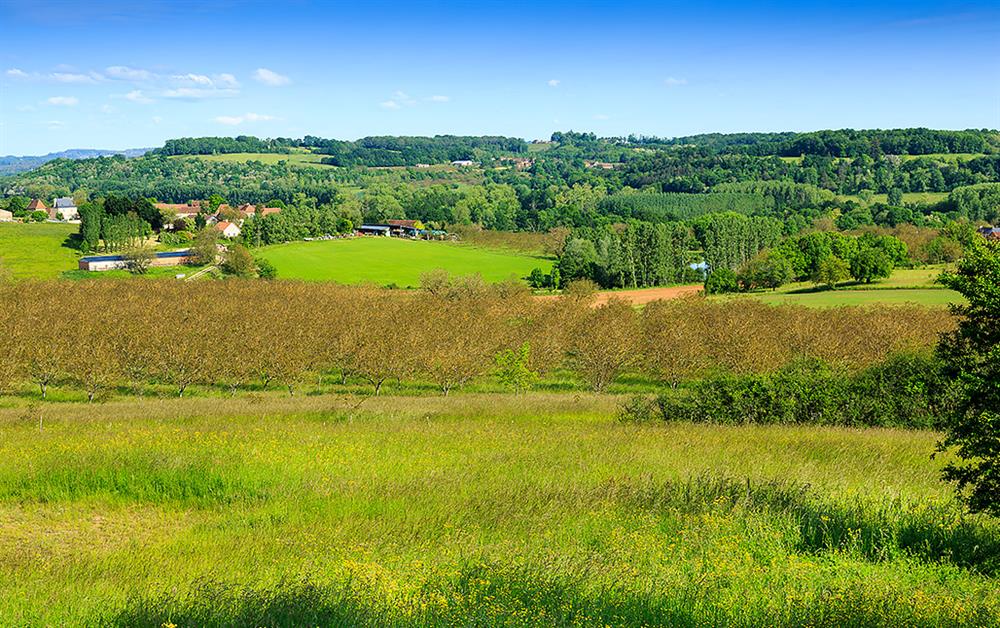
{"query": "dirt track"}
{"type": "Point", "coordinates": [641, 297]}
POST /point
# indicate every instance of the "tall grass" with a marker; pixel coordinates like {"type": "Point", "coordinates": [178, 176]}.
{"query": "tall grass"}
{"type": "Point", "coordinates": [474, 510]}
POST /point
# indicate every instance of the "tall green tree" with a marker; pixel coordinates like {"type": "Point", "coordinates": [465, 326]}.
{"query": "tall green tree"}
{"type": "Point", "coordinates": [971, 355]}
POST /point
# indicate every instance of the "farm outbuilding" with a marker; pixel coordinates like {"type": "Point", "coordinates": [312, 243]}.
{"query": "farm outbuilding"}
{"type": "Point", "coordinates": [375, 230]}
{"type": "Point", "coordinates": [98, 263]}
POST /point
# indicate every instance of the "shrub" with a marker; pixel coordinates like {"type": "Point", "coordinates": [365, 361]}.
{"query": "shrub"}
{"type": "Point", "coordinates": [907, 390]}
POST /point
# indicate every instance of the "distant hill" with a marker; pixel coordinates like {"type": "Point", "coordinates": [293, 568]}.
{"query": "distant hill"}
{"type": "Point", "coordinates": [12, 164]}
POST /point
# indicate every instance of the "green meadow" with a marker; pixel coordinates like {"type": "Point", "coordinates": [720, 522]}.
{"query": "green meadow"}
{"type": "Point", "coordinates": [394, 261]}
{"type": "Point", "coordinates": [37, 250]}
{"type": "Point", "coordinates": [905, 286]}
{"type": "Point", "coordinates": [473, 510]}
{"type": "Point", "coordinates": [295, 158]}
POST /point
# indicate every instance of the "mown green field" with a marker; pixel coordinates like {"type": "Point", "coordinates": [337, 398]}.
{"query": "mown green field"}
{"type": "Point", "coordinates": [37, 250]}
{"type": "Point", "coordinates": [296, 158]}
{"type": "Point", "coordinates": [394, 261]}
{"type": "Point", "coordinates": [473, 510]}
{"type": "Point", "coordinates": [904, 286]}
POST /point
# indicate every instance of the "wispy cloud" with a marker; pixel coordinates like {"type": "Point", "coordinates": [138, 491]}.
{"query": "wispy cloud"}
{"type": "Point", "coordinates": [270, 77]}
{"type": "Point", "coordinates": [554, 82]}
{"type": "Point", "coordinates": [75, 77]}
{"type": "Point", "coordinates": [54, 125]}
{"type": "Point", "coordinates": [63, 101]}
{"type": "Point", "coordinates": [125, 73]}
{"type": "Point", "coordinates": [16, 73]}
{"type": "Point", "coordinates": [390, 104]}
{"type": "Point", "coordinates": [137, 96]}
{"type": "Point", "coordinates": [246, 117]}
{"type": "Point", "coordinates": [197, 93]}
{"type": "Point", "coordinates": [671, 81]}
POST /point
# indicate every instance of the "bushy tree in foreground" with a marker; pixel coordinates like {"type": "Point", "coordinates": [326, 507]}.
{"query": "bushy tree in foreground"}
{"type": "Point", "coordinates": [972, 356]}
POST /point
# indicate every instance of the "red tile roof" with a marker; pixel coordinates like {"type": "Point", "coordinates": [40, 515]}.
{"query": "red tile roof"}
{"type": "Point", "coordinates": [37, 204]}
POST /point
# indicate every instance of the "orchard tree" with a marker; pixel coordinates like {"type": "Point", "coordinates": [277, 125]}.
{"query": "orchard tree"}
{"type": "Point", "coordinates": [971, 355]}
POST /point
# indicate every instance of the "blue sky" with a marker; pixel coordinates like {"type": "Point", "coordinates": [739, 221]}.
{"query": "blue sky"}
{"type": "Point", "coordinates": [110, 74]}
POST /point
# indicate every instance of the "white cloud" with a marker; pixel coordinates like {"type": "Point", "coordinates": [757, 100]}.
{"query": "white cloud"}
{"type": "Point", "coordinates": [74, 77]}
{"type": "Point", "coordinates": [438, 98]}
{"type": "Point", "coordinates": [554, 82]}
{"type": "Point", "coordinates": [195, 79]}
{"type": "Point", "coordinates": [125, 73]}
{"type": "Point", "coordinates": [63, 101]}
{"type": "Point", "coordinates": [137, 96]}
{"type": "Point", "coordinates": [247, 117]}
{"type": "Point", "coordinates": [17, 73]}
{"type": "Point", "coordinates": [226, 80]}
{"type": "Point", "coordinates": [196, 93]}
{"type": "Point", "coordinates": [389, 104]}
{"type": "Point", "coordinates": [270, 77]}
{"type": "Point", "coordinates": [670, 81]}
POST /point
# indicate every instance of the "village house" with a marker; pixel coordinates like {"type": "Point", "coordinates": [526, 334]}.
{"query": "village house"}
{"type": "Point", "coordinates": [6, 216]}
{"type": "Point", "coordinates": [36, 205]}
{"type": "Point", "coordinates": [65, 209]}
{"type": "Point", "coordinates": [248, 210]}
{"type": "Point", "coordinates": [181, 210]}
{"type": "Point", "coordinates": [463, 162]}
{"type": "Point", "coordinates": [227, 229]}
{"type": "Point", "coordinates": [990, 233]}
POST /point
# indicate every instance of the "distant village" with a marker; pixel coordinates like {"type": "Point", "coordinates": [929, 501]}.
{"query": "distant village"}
{"type": "Point", "coordinates": [228, 221]}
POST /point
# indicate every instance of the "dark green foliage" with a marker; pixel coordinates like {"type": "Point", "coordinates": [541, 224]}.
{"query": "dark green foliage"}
{"type": "Point", "coordinates": [721, 281]}
{"type": "Point", "coordinates": [91, 218]}
{"type": "Point", "coordinates": [637, 255]}
{"type": "Point", "coordinates": [770, 269]}
{"type": "Point", "coordinates": [972, 357]}
{"type": "Point", "coordinates": [239, 262]}
{"type": "Point", "coordinates": [265, 269]}
{"type": "Point", "coordinates": [908, 390]}
{"type": "Point", "coordinates": [672, 207]}
{"type": "Point", "coordinates": [729, 239]}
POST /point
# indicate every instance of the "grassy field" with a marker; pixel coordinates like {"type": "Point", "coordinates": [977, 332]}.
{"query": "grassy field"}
{"type": "Point", "coordinates": [915, 198]}
{"type": "Point", "coordinates": [473, 510]}
{"type": "Point", "coordinates": [906, 285]}
{"type": "Point", "coordinates": [296, 158]}
{"type": "Point", "coordinates": [392, 260]}
{"type": "Point", "coordinates": [37, 250]}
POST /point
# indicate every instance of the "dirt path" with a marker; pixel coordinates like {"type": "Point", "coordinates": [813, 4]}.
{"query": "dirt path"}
{"type": "Point", "coordinates": [643, 296]}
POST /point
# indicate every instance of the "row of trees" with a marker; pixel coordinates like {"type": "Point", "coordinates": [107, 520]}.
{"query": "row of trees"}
{"type": "Point", "coordinates": [823, 257]}
{"type": "Point", "coordinates": [633, 255]}
{"type": "Point", "coordinates": [122, 334]}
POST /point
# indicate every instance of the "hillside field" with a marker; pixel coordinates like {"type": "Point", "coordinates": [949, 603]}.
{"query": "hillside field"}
{"type": "Point", "coordinates": [296, 158]}
{"type": "Point", "coordinates": [37, 250]}
{"type": "Point", "coordinates": [394, 261]}
{"type": "Point", "coordinates": [537, 509]}
{"type": "Point", "coordinates": [905, 286]}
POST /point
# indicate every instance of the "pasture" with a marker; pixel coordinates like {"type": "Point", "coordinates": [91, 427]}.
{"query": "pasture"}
{"type": "Point", "coordinates": [37, 250]}
{"type": "Point", "coordinates": [537, 509]}
{"type": "Point", "coordinates": [297, 158]}
{"type": "Point", "coordinates": [911, 286]}
{"type": "Point", "coordinates": [394, 261]}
